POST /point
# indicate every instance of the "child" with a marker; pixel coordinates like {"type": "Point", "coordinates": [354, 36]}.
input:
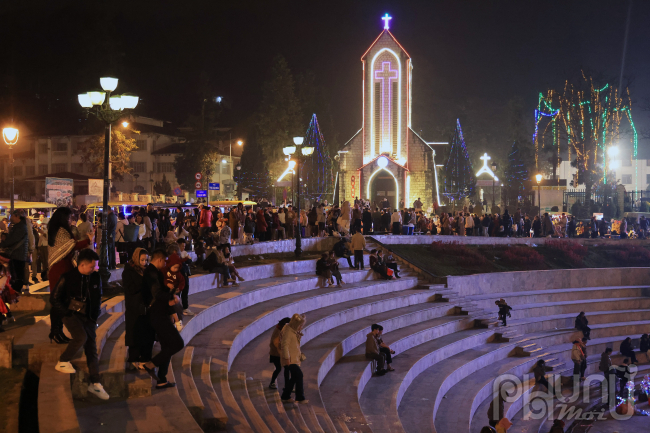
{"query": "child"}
{"type": "Point", "coordinates": [176, 283]}
{"type": "Point", "coordinates": [7, 296]}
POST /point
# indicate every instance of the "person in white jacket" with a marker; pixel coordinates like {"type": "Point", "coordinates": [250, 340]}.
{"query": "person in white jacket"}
{"type": "Point", "coordinates": [292, 357]}
{"type": "Point", "coordinates": [396, 222]}
{"type": "Point", "coordinates": [469, 224]}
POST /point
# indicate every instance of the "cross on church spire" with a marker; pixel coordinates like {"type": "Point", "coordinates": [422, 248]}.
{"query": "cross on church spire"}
{"type": "Point", "coordinates": [386, 19]}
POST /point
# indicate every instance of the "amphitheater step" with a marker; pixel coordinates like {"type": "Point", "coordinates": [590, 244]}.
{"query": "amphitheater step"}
{"type": "Point", "coordinates": [214, 417]}
{"type": "Point", "coordinates": [182, 365]}
{"type": "Point", "coordinates": [56, 412]}
{"type": "Point", "coordinates": [237, 381]}
{"type": "Point", "coordinates": [258, 399]}
{"type": "Point", "coordinates": [277, 409]}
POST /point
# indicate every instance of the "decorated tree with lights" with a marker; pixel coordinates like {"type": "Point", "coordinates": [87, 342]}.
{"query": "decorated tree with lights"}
{"type": "Point", "coordinates": [460, 181]}
{"type": "Point", "coordinates": [515, 175]}
{"type": "Point", "coordinates": [317, 170]}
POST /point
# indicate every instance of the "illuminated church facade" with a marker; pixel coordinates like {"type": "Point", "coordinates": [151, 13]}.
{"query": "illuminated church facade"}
{"type": "Point", "coordinates": [386, 158]}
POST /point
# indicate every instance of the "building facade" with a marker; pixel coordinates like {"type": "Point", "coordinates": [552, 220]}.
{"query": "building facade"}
{"type": "Point", "coordinates": [386, 158]}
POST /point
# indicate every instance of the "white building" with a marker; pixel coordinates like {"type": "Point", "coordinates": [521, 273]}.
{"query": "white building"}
{"type": "Point", "coordinates": [633, 174]}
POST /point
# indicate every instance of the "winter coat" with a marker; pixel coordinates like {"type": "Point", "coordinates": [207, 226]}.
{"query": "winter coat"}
{"type": "Point", "coordinates": [605, 362]}
{"type": "Point", "coordinates": [577, 355]}
{"type": "Point", "coordinates": [260, 222]}
{"type": "Point", "coordinates": [371, 344]}
{"type": "Point", "coordinates": [134, 302]}
{"type": "Point", "coordinates": [290, 340]}
{"type": "Point", "coordinates": [80, 287]}
{"type": "Point", "coordinates": [17, 241]}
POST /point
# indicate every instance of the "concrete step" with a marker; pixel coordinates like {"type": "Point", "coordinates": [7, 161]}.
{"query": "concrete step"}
{"type": "Point", "coordinates": [236, 420]}
{"type": "Point", "coordinates": [182, 365]}
{"type": "Point", "coordinates": [237, 383]}
{"type": "Point", "coordinates": [214, 416]}
{"type": "Point", "coordinates": [257, 397]}
{"type": "Point", "coordinates": [277, 409]}
{"type": "Point", "coordinates": [56, 412]}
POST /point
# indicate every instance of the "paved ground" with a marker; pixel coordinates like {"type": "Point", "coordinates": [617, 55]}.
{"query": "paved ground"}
{"type": "Point", "coordinates": [636, 424]}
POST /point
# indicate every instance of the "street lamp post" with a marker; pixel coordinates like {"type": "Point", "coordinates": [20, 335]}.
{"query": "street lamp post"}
{"type": "Point", "coordinates": [10, 136]}
{"type": "Point", "coordinates": [109, 109]}
{"type": "Point", "coordinates": [538, 178]}
{"type": "Point", "coordinates": [494, 169]}
{"type": "Point", "coordinates": [300, 158]}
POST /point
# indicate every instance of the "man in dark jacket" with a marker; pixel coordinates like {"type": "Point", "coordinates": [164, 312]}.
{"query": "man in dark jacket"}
{"type": "Point", "coordinates": [342, 249]}
{"type": "Point", "coordinates": [581, 325]}
{"type": "Point", "coordinates": [77, 298]}
{"type": "Point", "coordinates": [171, 342]}
{"type": "Point", "coordinates": [366, 218]}
{"type": "Point", "coordinates": [16, 245]}
{"type": "Point", "coordinates": [372, 349]}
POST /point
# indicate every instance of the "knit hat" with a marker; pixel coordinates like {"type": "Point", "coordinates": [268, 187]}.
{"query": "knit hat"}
{"type": "Point", "coordinates": [174, 259]}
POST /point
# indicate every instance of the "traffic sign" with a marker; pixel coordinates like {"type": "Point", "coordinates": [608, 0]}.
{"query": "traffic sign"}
{"type": "Point", "coordinates": [201, 193]}
{"type": "Point", "coordinates": [178, 190]}
{"type": "Point", "coordinates": [198, 176]}
{"type": "Point", "coordinates": [213, 186]}
{"type": "Point", "coordinates": [198, 185]}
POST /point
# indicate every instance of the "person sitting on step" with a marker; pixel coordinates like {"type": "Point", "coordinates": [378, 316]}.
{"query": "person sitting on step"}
{"type": "Point", "coordinates": [377, 265]}
{"type": "Point", "coordinates": [581, 325]}
{"type": "Point", "coordinates": [323, 269]}
{"type": "Point", "coordinates": [372, 349]}
{"type": "Point", "coordinates": [385, 349]}
{"type": "Point", "coordinates": [333, 265]}
{"type": "Point", "coordinates": [77, 297]}
{"type": "Point", "coordinates": [390, 263]}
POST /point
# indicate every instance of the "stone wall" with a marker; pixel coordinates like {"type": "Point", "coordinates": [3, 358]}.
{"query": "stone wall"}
{"type": "Point", "coordinates": [480, 240]}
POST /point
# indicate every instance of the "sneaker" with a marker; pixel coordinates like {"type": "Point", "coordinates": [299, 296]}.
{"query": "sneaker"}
{"type": "Point", "coordinates": [65, 367]}
{"type": "Point", "coordinates": [230, 280]}
{"type": "Point", "coordinates": [241, 279]}
{"type": "Point", "coordinates": [98, 390]}
{"type": "Point", "coordinates": [273, 386]}
{"type": "Point", "coordinates": [188, 312]}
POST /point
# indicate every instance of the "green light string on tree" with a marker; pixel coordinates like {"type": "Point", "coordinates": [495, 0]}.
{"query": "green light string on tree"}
{"type": "Point", "coordinates": [460, 181]}
{"type": "Point", "coordinates": [317, 170]}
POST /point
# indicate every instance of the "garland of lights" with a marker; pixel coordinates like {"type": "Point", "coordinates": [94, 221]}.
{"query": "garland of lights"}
{"type": "Point", "coordinates": [460, 181]}
{"type": "Point", "coordinates": [317, 169]}
{"type": "Point", "coordinates": [592, 116]}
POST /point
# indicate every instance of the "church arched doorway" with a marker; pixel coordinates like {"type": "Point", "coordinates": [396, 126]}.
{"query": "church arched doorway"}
{"type": "Point", "coordinates": [383, 186]}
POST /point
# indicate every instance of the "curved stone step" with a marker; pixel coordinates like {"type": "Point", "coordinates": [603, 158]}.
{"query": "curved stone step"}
{"type": "Point", "coordinates": [258, 399]}
{"type": "Point", "coordinates": [236, 421]}
{"type": "Point", "coordinates": [237, 381]}
{"type": "Point", "coordinates": [56, 412]}
{"type": "Point", "coordinates": [214, 416]}
{"type": "Point", "coordinates": [182, 365]}
{"type": "Point", "coordinates": [277, 409]}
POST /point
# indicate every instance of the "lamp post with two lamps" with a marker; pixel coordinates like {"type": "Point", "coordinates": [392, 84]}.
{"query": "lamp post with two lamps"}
{"type": "Point", "coordinates": [109, 109]}
{"type": "Point", "coordinates": [10, 136]}
{"type": "Point", "coordinates": [300, 159]}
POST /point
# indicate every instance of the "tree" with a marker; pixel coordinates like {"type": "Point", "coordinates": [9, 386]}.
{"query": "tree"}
{"type": "Point", "coordinates": [515, 175]}
{"type": "Point", "coordinates": [254, 174]}
{"type": "Point", "coordinates": [197, 156]}
{"type": "Point", "coordinates": [92, 153]}
{"type": "Point", "coordinates": [163, 187]}
{"type": "Point", "coordinates": [460, 181]}
{"type": "Point", "coordinates": [278, 119]}
{"type": "Point", "coordinates": [317, 170]}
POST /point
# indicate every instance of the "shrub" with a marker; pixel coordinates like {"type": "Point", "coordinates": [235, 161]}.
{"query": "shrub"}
{"type": "Point", "coordinates": [572, 252]}
{"type": "Point", "coordinates": [524, 256]}
{"type": "Point", "coordinates": [466, 256]}
{"type": "Point", "coordinates": [632, 255]}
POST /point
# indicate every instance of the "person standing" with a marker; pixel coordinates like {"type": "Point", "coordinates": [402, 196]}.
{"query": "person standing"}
{"type": "Point", "coordinates": [61, 248]}
{"type": "Point", "coordinates": [41, 265]}
{"type": "Point", "coordinates": [17, 245]}
{"type": "Point", "coordinates": [605, 367]}
{"type": "Point", "coordinates": [31, 248]}
{"type": "Point", "coordinates": [628, 350]}
{"type": "Point", "coordinates": [358, 243]}
{"type": "Point", "coordinates": [158, 314]}
{"type": "Point", "coordinates": [275, 357]}
{"type": "Point", "coordinates": [205, 220]}
{"type": "Point", "coordinates": [139, 335]}
{"type": "Point", "coordinates": [577, 356]}
{"type": "Point", "coordinates": [111, 226]}
{"type": "Point", "coordinates": [417, 204]}
{"type": "Point", "coordinates": [396, 222]}
{"type": "Point", "coordinates": [292, 357]}
{"type": "Point", "coordinates": [77, 298]}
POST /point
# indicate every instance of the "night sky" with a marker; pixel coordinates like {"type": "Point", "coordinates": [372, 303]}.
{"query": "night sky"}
{"type": "Point", "coordinates": [471, 58]}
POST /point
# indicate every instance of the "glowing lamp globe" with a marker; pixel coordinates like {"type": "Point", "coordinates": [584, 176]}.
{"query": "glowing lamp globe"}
{"type": "Point", "coordinates": [84, 100]}
{"type": "Point", "coordinates": [129, 101]}
{"type": "Point", "coordinates": [298, 140]}
{"type": "Point", "coordinates": [115, 103]}
{"type": "Point", "coordinates": [223, 161]}
{"type": "Point", "coordinates": [382, 162]}
{"type": "Point", "coordinates": [289, 150]}
{"type": "Point", "coordinates": [307, 151]}
{"type": "Point", "coordinates": [239, 142]}
{"type": "Point", "coordinates": [10, 136]}
{"type": "Point", "coordinates": [538, 177]}
{"type": "Point", "coordinates": [613, 151]}
{"type": "Point", "coordinates": [108, 83]}
{"type": "Point", "coordinates": [614, 165]}
{"type": "Point", "coordinates": [97, 97]}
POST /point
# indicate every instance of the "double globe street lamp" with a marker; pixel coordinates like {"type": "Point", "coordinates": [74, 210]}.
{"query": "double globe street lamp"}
{"type": "Point", "coordinates": [301, 155]}
{"type": "Point", "coordinates": [109, 109]}
{"type": "Point", "coordinates": [10, 136]}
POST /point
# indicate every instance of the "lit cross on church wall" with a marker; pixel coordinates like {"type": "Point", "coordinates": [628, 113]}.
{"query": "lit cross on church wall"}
{"type": "Point", "coordinates": [485, 168]}
{"type": "Point", "coordinates": [387, 76]}
{"type": "Point", "coordinates": [386, 19]}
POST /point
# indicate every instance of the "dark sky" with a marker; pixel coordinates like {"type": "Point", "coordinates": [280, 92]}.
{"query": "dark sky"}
{"type": "Point", "coordinates": [470, 57]}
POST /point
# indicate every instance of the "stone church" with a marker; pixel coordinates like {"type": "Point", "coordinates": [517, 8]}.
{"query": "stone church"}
{"type": "Point", "coordinates": [386, 158]}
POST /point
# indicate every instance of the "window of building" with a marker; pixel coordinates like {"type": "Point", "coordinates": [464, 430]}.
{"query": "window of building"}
{"type": "Point", "coordinates": [42, 148]}
{"type": "Point", "coordinates": [42, 169]}
{"type": "Point", "coordinates": [61, 147]}
{"type": "Point", "coordinates": [647, 178]}
{"type": "Point", "coordinates": [18, 171]}
{"type": "Point", "coordinates": [56, 168]}
{"type": "Point", "coordinates": [139, 167]}
{"type": "Point", "coordinates": [165, 167]}
{"type": "Point", "coordinates": [627, 179]}
{"type": "Point", "coordinates": [647, 162]}
{"type": "Point", "coordinates": [77, 167]}
{"type": "Point", "coordinates": [30, 170]}
{"type": "Point", "coordinates": [225, 168]}
{"type": "Point", "coordinates": [142, 145]}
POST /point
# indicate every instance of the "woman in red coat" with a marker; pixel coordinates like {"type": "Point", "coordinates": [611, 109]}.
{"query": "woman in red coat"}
{"type": "Point", "coordinates": [61, 247]}
{"type": "Point", "coordinates": [260, 225]}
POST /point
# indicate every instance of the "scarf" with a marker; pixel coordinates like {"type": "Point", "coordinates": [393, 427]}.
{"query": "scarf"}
{"type": "Point", "coordinates": [63, 245]}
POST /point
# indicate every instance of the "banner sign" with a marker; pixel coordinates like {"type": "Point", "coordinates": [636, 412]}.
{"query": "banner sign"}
{"type": "Point", "coordinates": [58, 191]}
{"type": "Point", "coordinates": [96, 187]}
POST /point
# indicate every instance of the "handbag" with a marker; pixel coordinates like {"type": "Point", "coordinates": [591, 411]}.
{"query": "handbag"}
{"type": "Point", "coordinates": [77, 306]}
